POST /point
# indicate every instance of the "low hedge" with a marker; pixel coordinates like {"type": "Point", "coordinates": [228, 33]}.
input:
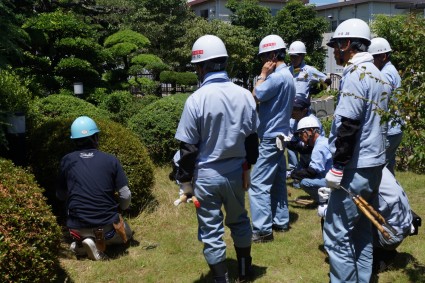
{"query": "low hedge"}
{"type": "Point", "coordinates": [179, 78]}
{"type": "Point", "coordinates": [29, 235]}
{"type": "Point", "coordinates": [156, 125]}
{"type": "Point", "coordinates": [50, 141]}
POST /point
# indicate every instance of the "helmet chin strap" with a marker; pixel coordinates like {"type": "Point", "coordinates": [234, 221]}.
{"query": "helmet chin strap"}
{"type": "Point", "coordinates": [341, 53]}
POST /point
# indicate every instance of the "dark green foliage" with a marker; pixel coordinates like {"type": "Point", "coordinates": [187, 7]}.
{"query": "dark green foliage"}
{"type": "Point", "coordinates": [156, 126]}
{"type": "Point", "coordinates": [186, 78]}
{"type": "Point", "coordinates": [147, 99]}
{"type": "Point", "coordinates": [127, 36]}
{"type": "Point", "coordinates": [14, 97]}
{"type": "Point", "coordinates": [50, 142]}
{"type": "Point", "coordinates": [11, 34]}
{"type": "Point", "coordinates": [74, 69]}
{"type": "Point", "coordinates": [145, 86]}
{"type": "Point", "coordinates": [405, 33]}
{"type": "Point", "coordinates": [167, 77]}
{"type": "Point", "coordinates": [180, 78]}
{"type": "Point", "coordinates": [53, 106]}
{"type": "Point", "coordinates": [122, 105]}
{"type": "Point", "coordinates": [14, 92]}
{"type": "Point", "coordinates": [29, 234]}
{"type": "Point", "coordinates": [297, 21]}
{"type": "Point", "coordinates": [145, 59]}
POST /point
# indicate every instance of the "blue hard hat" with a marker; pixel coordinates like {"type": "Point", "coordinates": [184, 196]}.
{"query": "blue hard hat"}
{"type": "Point", "coordinates": [83, 127]}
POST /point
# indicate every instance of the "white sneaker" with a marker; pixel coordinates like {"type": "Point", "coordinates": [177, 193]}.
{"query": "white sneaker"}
{"type": "Point", "coordinates": [78, 250]}
{"type": "Point", "coordinates": [92, 252]}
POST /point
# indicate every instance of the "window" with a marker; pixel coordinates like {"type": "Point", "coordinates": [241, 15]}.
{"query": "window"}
{"type": "Point", "coordinates": [204, 14]}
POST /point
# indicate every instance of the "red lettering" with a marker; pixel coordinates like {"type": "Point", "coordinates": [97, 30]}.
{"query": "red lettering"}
{"type": "Point", "coordinates": [269, 44]}
{"type": "Point", "coordinates": [197, 52]}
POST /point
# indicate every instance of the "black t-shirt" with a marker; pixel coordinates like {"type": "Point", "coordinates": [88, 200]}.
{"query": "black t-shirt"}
{"type": "Point", "coordinates": [91, 178]}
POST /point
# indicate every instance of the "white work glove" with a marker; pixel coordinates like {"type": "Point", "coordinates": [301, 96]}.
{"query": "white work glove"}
{"type": "Point", "coordinates": [185, 193]}
{"type": "Point", "coordinates": [333, 178]}
{"type": "Point", "coordinates": [324, 193]}
{"type": "Point", "coordinates": [321, 209]}
{"type": "Point", "coordinates": [187, 188]}
{"type": "Point", "coordinates": [281, 140]}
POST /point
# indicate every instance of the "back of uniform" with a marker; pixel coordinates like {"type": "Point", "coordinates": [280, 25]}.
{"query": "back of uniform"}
{"type": "Point", "coordinates": [91, 177]}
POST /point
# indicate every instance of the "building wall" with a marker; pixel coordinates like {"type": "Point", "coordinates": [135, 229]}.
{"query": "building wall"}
{"type": "Point", "coordinates": [215, 9]}
{"type": "Point", "coordinates": [337, 13]}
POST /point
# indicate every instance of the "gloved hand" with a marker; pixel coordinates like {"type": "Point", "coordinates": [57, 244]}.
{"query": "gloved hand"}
{"type": "Point", "coordinates": [281, 141]}
{"type": "Point", "coordinates": [187, 188]}
{"type": "Point", "coordinates": [324, 193]}
{"type": "Point", "coordinates": [334, 177]}
{"type": "Point", "coordinates": [321, 209]}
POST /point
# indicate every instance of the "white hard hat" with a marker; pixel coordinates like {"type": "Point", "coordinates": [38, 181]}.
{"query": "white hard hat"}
{"type": "Point", "coordinates": [351, 28]}
{"type": "Point", "coordinates": [379, 45]}
{"type": "Point", "coordinates": [307, 123]}
{"type": "Point", "coordinates": [208, 47]}
{"type": "Point", "coordinates": [297, 47]}
{"type": "Point", "coordinates": [270, 43]}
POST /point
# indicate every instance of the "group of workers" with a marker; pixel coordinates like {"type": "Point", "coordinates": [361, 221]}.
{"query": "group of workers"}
{"type": "Point", "coordinates": [225, 130]}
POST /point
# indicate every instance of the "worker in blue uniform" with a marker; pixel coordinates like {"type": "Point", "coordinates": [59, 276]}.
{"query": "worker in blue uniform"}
{"type": "Point", "coordinates": [274, 92]}
{"type": "Point", "coordinates": [381, 52]}
{"type": "Point", "coordinates": [217, 134]}
{"type": "Point", "coordinates": [357, 142]}
{"type": "Point", "coordinates": [312, 177]}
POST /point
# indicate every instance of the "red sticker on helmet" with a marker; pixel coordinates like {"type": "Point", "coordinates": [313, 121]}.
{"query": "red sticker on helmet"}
{"type": "Point", "coordinates": [197, 52]}
{"type": "Point", "coordinates": [269, 44]}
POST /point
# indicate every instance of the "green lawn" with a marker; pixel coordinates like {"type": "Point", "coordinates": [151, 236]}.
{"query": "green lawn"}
{"type": "Point", "coordinates": [169, 251]}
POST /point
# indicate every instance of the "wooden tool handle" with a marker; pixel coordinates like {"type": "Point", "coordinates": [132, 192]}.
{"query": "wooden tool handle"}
{"type": "Point", "coordinates": [371, 218]}
{"type": "Point", "coordinates": [370, 208]}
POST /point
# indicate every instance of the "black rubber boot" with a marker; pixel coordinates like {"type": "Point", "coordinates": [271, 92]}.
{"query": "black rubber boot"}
{"type": "Point", "coordinates": [246, 272]}
{"type": "Point", "coordinates": [220, 273]}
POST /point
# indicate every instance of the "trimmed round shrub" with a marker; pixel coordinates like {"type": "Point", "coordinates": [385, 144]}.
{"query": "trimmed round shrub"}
{"type": "Point", "coordinates": [156, 126]}
{"type": "Point", "coordinates": [43, 109]}
{"type": "Point", "coordinates": [121, 104]}
{"type": "Point", "coordinates": [145, 86]}
{"type": "Point", "coordinates": [50, 141]}
{"type": "Point", "coordinates": [29, 235]}
{"type": "Point", "coordinates": [186, 78]}
{"type": "Point", "coordinates": [167, 77]}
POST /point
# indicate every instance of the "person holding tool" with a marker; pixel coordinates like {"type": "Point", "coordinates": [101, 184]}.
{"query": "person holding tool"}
{"type": "Point", "coordinates": [217, 134]}
{"type": "Point", "coordinates": [357, 142]}
{"type": "Point", "coordinates": [89, 179]}
{"type": "Point", "coordinates": [308, 80]}
{"type": "Point", "coordinates": [390, 213]}
{"type": "Point", "coordinates": [393, 204]}
{"type": "Point", "coordinates": [381, 52]}
{"type": "Point", "coordinates": [274, 93]}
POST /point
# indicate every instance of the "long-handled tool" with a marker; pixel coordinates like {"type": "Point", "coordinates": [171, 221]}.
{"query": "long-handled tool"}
{"type": "Point", "coordinates": [371, 214]}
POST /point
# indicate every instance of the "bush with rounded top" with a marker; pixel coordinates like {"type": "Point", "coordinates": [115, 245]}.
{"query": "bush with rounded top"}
{"type": "Point", "coordinates": [50, 141]}
{"type": "Point", "coordinates": [29, 235]}
{"type": "Point", "coordinates": [156, 126]}
{"type": "Point", "coordinates": [43, 109]}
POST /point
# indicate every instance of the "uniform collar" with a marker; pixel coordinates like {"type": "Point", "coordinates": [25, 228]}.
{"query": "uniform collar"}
{"type": "Point", "coordinates": [215, 77]}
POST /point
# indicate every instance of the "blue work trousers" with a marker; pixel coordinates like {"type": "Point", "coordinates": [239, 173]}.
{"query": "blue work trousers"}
{"type": "Point", "coordinates": [214, 193]}
{"type": "Point", "coordinates": [312, 186]}
{"type": "Point", "coordinates": [347, 232]}
{"type": "Point", "coordinates": [268, 195]}
{"type": "Point", "coordinates": [393, 143]}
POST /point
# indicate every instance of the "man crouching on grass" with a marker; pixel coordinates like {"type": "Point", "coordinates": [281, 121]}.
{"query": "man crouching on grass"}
{"type": "Point", "coordinates": [89, 180]}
